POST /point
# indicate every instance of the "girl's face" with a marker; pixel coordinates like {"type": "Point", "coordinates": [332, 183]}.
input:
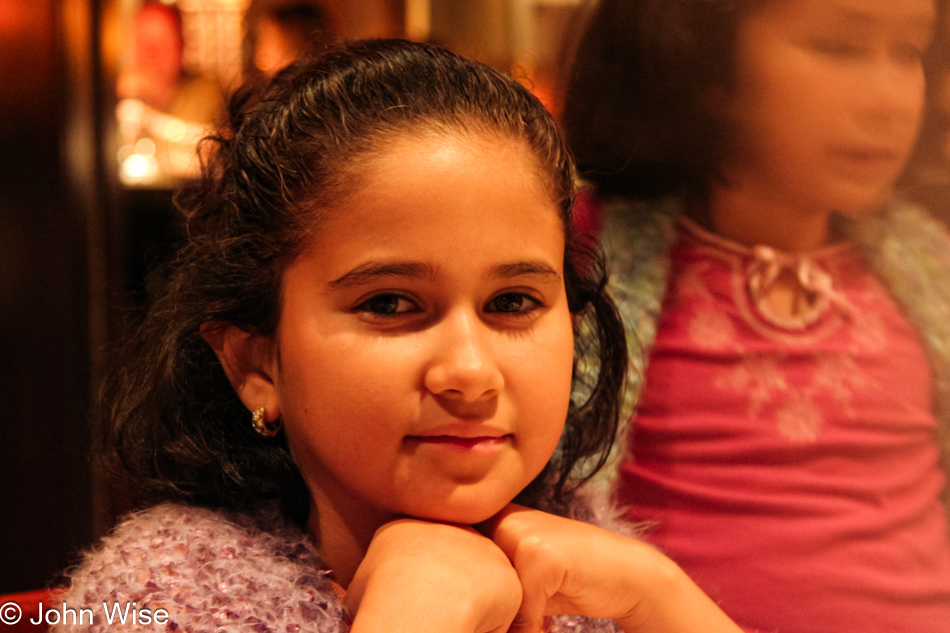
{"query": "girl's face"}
{"type": "Point", "coordinates": [423, 360]}
{"type": "Point", "coordinates": [828, 98]}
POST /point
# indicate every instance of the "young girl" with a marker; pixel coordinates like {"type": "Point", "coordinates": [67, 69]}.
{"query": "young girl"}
{"type": "Point", "coordinates": [365, 347]}
{"type": "Point", "coordinates": [794, 406]}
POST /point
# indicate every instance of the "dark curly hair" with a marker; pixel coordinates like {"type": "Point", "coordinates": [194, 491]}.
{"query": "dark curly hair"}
{"type": "Point", "coordinates": [636, 112]}
{"type": "Point", "coordinates": [174, 428]}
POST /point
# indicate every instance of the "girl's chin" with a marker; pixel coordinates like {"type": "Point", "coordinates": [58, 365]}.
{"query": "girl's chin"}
{"type": "Point", "coordinates": [461, 515]}
{"type": "Point", "coordinates": [463, 510]}
{"type": "Point", "coordinates": [465, 504]}
{"type": "Point", "coordinates": [862, 200]}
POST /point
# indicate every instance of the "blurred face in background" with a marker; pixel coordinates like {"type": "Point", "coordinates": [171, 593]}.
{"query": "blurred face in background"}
{"type": "Point", "coordinates": [828, 99]}
{"type": "Point", "coordinates": [158, 44]}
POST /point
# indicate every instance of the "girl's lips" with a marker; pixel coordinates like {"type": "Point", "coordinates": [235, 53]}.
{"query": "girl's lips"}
{"type": "Point", "coordinates": [454, 442]}
{"type": "Point", "coordinates": [462, 430]}
{"type": "Point", "coordinates": [868, 154]}
{"type": "Point", "coordinates": [868, 162]}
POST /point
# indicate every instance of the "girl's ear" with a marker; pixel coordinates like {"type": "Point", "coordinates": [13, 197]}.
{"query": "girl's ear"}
{"type": "Point", "coordinates": [249, 361]}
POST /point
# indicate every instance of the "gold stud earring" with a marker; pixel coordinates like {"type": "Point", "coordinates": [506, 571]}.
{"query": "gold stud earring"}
{"type": "Point", "coordinates": [267, 429]}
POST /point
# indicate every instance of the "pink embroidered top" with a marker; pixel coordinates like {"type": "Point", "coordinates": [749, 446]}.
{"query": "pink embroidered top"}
{"type": "Point", "coordinates": [790, 466]}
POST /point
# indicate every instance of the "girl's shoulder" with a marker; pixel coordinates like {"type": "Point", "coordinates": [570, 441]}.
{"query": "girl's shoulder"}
{"type": "Point", "coordinates": [206, 569]}
{"type": "Point", "coordinates": [901, 223]}
{"type": "Point", "coordinates": [637, 238]}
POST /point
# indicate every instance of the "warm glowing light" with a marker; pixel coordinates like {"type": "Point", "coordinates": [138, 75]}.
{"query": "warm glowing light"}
{"type": "Point", "coordinates": [145, 146]}
{"type": "Point", "coordinates": [129, 110]}
{"type": "Point", "coordinates": [138, 169]}
{"type": "Point", "coordinates": [175, 131]}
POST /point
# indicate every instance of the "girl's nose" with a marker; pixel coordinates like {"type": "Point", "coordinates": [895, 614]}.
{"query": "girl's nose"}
{"type": "Point", "coordinates": [463, 366]}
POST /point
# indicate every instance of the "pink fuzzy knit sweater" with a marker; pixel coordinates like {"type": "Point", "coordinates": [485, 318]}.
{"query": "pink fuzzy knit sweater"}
{"type": "Point", "coordinates": [216, 571]}
{"type": "Point", "coordinates": [211, 571]}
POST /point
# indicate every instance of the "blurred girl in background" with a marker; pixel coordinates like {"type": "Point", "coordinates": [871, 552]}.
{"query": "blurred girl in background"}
{"type": "Point", "coordinates": [792, 419]}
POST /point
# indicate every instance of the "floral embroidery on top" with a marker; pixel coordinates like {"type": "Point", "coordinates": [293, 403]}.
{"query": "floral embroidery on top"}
{"type": "Point", "coordinates": [758, 375]}
{"type": "Point", "coordinates": [711, 329]}
{"type": "Point", "coordinates": [869, 333]}
{"type": "Point", "coordinates": [764, 377]}
{"type": "Point", "coordinates": [799, 420]}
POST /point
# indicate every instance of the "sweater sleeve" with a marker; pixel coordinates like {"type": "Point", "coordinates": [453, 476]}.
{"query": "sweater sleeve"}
{"type": "Point", "coordinates": [183, 568]}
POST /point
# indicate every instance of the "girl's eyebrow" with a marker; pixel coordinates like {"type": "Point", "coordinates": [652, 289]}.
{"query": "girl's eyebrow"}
{"type": "Point", "coordinates": [372, 271]}
{"type": "Point", "coordinates": [517, 269]}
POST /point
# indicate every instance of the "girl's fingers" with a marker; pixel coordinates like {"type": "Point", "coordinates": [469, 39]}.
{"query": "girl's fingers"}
{"type": "Point", "coordinates": [424, 577]}
{"type": "Point", "coordinates": [540, 564]}
{"type": "Point", "coordinates": [568, 567]}
{"type": "Point", "coordinates": [524, 623]}
{"type": "Point", "coordinates": [534, 603]}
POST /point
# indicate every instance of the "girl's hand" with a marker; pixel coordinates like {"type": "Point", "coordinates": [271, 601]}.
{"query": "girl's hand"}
{"type": "Point", "coordinates": [422, 577]}
{"type": "Point", "coordinates": [569, 567]}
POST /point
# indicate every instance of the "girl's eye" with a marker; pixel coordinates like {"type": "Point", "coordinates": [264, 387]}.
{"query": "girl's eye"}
{"type": "Point", "coordinates": [838, 48]}
{"type": "Point", "coordinates": [387, 305]}
{"type": "Point", "coordinates": [909, 53]}
{"type": "Point", "coordinates": [513, 303]}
